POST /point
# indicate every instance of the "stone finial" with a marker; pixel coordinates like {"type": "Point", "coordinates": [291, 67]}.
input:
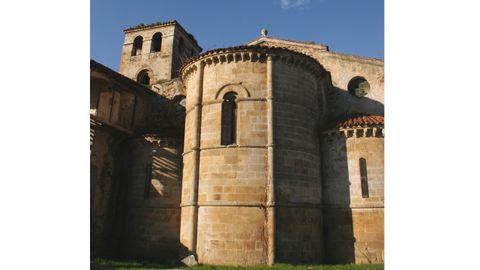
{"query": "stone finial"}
{"type": "Point", "coordinates": [264, 32]}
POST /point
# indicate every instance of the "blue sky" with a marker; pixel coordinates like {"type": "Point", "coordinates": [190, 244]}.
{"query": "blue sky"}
{"type": "Point", "coordinates": [347, 26]}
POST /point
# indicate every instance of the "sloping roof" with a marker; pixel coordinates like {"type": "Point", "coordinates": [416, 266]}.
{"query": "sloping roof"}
{"type": "Point", "coordinates": [262, 39]}
{"type": "Point", "coordinates": [119, 78]}
{"type": "Point", "coordinates": [317, 46]}
{"type": "Point", "coordinates": [361, 121]}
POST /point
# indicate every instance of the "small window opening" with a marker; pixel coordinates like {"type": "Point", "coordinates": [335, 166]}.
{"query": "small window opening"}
{"type": "Point", "coordinates": [143, 78]}
{"type": "Point", "coordinates": [137, 46]}
{"type": "Point", "coordinates": [358, 86]}
{"type": "Point", "coordinates": [229, 119]}
{"type": "Point", "coordinates": [363, 177]}
{"type": "Point", "coordinates": [156, 42]}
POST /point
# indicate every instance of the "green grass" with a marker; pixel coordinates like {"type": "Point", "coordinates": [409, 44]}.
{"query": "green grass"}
{"type": "Point", "coordinates": [295, 267]}
{"type": "Point", "coordinates": [101, 264]}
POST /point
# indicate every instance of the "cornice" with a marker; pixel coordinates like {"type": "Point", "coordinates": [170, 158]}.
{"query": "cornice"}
{"type": "Point", "coordinates": [357, 132]}
{"type": "Point", "coordinates": [253, 53]}
{"type": "Point", "coordinates": [167, 23]}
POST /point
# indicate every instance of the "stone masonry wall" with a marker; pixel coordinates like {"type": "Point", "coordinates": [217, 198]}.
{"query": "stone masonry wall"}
{"type": "Point", "coordinates": [297, 165]}
{"type": "Point", "coordinates": [232, 187]}
{"type": "Point", "coordinates": [354, 225]}
{"type": "Point", "coordinates": [159, 63]}
{"type": "Point", "coordinates": [368, 224]}
{"type": "Point", "coordinates": [152, 221]}
{"type": "Point", "coordinates": [164, 64]}
{"type": "Point", "coordinates": [170, 89]}
{"type": "Point", "coordinates": [112, 104]}
{"type": "Point", "coordinates": [343, 68]}
{"type": "Point", "coordinates": [232, 178]}
{"type": "Point", "coordinates": [104, 189]}
{"type": "Point", "coordinates": [181, 55]}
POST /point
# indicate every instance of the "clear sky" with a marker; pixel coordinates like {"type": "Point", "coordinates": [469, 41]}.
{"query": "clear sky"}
{"type": "Point", "coordinates": [348, 26]}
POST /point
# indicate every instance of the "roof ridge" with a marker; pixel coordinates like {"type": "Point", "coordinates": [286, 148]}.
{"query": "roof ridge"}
{"type": "Point", "coordinates": [291, 40]}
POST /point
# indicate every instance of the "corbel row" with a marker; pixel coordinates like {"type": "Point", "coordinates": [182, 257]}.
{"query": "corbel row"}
{"type": "Point", "coordinates": [358, 132]}
{"type": "Point", "coordinates": [289, 58]}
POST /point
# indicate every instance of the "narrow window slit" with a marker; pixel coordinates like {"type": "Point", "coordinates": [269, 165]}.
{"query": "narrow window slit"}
{"type": "Point", "coordinates": [363, 177]}
{"type": "Point", "coordinates": [229, 119]}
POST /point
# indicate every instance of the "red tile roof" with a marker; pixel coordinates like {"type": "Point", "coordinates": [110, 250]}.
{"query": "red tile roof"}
{"type": "Point", "coordinates": [362, 121]}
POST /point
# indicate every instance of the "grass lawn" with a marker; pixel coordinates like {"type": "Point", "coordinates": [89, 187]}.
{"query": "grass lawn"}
{"type": "Point", "coordinates": [101, 264]}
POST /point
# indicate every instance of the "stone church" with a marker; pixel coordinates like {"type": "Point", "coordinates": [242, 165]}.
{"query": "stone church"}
{"type": "Point", "coordinates": [267, 152]}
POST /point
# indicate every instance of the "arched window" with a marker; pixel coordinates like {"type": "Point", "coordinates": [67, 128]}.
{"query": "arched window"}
{"type": "Point", "coordinates": [137, 46]}
{"type": "Point", "coordinates": [156, 42]}
{"type": "Point", "coordinates": [229, 119]}
{"type": "Point", "coordinates": [363, 177]}
{"type": "Point", "coordinates": [181, 45]}
{"type": "Point", "coordinates": [358, 86]}
{"type": "Point", "coordinates": [143, 77]}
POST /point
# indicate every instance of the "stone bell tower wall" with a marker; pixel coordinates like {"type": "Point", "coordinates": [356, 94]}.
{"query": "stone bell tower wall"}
{"type": "Point", "coordinates": [176, 45]}
{"type": "Point", "coordinates": [158, 63]}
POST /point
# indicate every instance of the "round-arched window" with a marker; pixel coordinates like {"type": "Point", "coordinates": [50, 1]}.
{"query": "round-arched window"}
{"type": "Point", "coordinates": [156, 42]}
{"type": "Point", "coordinates": [137, 46]}
{"type": "Point", "coordinates": [358, 87]}
{"type": "Point", "coordinates": [143, 77]}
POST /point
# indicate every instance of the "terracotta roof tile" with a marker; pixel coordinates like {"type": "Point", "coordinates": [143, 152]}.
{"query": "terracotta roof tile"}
{"type": "Point", "coordinates": [361, 121]}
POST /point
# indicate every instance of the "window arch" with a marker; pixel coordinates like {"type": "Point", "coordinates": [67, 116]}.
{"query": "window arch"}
{"type": "Point", "coordinates": [137, 46]}
{"type": "Point", "coordinates": [363, 177]}
{"type": "Point", "coordinates": [358, 86]}
{"type": "Point", "coordinates": [229, 119]}
{"type": "Point", "coordinates": [156, 42]}
{"type": "Point", "coordinates": [144, 77]}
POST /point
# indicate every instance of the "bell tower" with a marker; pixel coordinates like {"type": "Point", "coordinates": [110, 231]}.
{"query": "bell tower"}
{"type": "Point", "coordinates": [153, 53]}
